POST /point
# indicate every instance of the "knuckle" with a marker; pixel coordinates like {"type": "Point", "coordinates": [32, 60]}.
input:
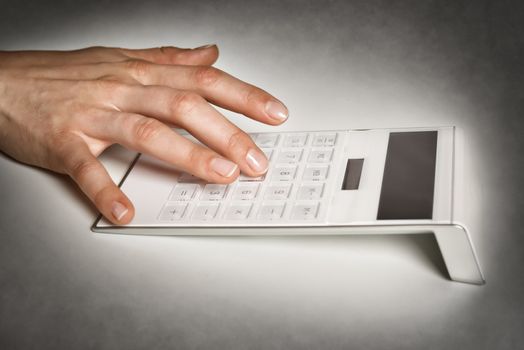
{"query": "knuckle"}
{"type": "Point", "coordinates": [198, 160]}
{"type": "Point", "coordinates": [207, 76]}
{"type": "Point", "coordinates": [237, 140]}
{"type": "Point", "coordinates": [167, 50]}
{"type": "Point", "coordinates": [184, 102]}
{"type": "Point", "coordinates": [137, 68]}
{"type": "Point", "coordinates": [59, 142]}
{"type": "Point", "coordinates": [193, 157]}
{"type": "Point", "coordinates": [254, 95]}
{"type": "Point", "coordinates": [109, 88]}
{"type": "Point", "coordinates": [81, 169]}
{"type": "Point", "coordinates": [146, 130]}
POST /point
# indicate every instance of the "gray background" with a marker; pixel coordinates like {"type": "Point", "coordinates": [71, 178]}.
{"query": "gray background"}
{"type": "Point", "coordinates": [337, 65]}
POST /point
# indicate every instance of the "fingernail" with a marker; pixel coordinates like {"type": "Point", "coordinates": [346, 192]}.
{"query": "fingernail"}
{"type": "Point", "coordinates": [119, 210]}
{"type": "Point", "coordinates": [204, 47]}
{"type": "Point", "coordinates": [257, 161]}
{"type": "Point", "coordinates": [223, 166]}
{"type": "Point", "coordinates": [276, 110]}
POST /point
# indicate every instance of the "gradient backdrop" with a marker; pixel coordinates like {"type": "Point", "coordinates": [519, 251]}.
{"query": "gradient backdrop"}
{"type": "Point", "coordinates": [337, 65]}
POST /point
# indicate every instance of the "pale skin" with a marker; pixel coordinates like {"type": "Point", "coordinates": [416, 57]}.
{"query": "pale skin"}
{"type": "Point", "coordinates": [60, 110]}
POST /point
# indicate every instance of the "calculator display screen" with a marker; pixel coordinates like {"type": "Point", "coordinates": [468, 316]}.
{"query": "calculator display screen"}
{"type": "Point", "coordinates": [352, 174]}
{"type": "Point", "coordinates": [409, 176]}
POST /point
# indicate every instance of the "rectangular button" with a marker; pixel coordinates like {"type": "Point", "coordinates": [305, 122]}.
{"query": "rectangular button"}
{"type": "Point", "coordinates": [245, 191]}
{"type": "Point", "coordinates": [183, 192]}
{"type": "Point", "coordinates": [320, 155]}
{"type": "Point", "coordinates": [295, 140]}
{"type": "Point", "coordinates": [310, 191]}
{"type": "Point", "coordinates": [278, 191]}
{"type": "Point", "coordinates": [305, 211]}
{"type": "Point", "coordinates": [172, 212]}
{"type": "Point", "coordinates": [204, 212]}
{"type": "Point", "coordinates": [316, 173]}
{"type": "Point", "coordinates": [238, 211]}
{"type": "Point", "coordinates": [267, 140]}
{"type": "Point", "coordinates": [289, 156]}
{"type": "Point", "coordinates": [284, 173]}
{"type": "Point", "coordinates": [271, 211]}
{"type": "Point", "coordinates": [244, 178]}
{"type": "Point", "coordinates": [325, 140]}
{"type": "Point", "coordinates": [213, 192]}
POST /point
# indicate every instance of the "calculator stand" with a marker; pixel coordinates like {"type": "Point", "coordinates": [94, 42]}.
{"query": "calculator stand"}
{"type": "Point", "coordinates": [458, 253]}
{"type": "Point", "coordinates": [454, 243]}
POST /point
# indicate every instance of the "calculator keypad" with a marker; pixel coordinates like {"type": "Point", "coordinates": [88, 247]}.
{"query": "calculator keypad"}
{"type": "Point", "coordinates": [295, 188]}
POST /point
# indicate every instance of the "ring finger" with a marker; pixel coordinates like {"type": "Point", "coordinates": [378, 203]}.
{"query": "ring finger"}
{"type": "Point", "coordinates": [152, 137]}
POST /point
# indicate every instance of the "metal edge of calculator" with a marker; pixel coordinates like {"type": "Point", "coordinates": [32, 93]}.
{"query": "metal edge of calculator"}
{"type": "Point", "coordinates": [453, 238]}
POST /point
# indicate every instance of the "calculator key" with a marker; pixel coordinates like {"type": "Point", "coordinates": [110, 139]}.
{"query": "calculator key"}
{"type": "Point", "coordinates": [183, 192]}
{"type": "Point", "coordinates": [295, 140]}
{"type": "Point", "coordinates": [316, 173]}
{"type": "Point", "coordinates": [172, 212]}
{"type": "Point", "coordinates": [305, 211]}
{"type": "Point", "coordinates": [310, 191]}
{"type": "Point", "coordinates": [284, 173]}
{"type": "Point", "coordinates": [246, 191]}
{"type": "Point", "coordinates": [213, 192]}
{"type": "Point", "coordinates": [271, 211]}
{"type": "Point", "coordinates": [244, 178]}
{"type": "Point", "coordinates": [238, 211]}
{"type": "Point", "coordinates": [267, 152]}
{"type": "Point", "coordinates": [267, 140]}
{"type": "Point", "coordinates": [278, 191]}
{"type": "Point", "coordinates": [291, 156]}
{"type": "Point", "coordinates": [186, 177]}
{"type": "Point", "coordinates": [320, 155]}
{"type": "Point", "coordinates": [205, 212]}
{"type": "Point", "coordinates": [325, 140]}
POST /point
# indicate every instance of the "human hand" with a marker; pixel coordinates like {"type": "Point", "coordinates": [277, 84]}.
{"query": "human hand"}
{"type": "Point", "coordinates": [61, 109]}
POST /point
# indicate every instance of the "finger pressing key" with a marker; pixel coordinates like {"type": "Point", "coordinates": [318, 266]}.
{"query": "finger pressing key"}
{"type": "Point", "coordinates": [152, 137]}
{"type": "Point", "coordinates": [192, 112]}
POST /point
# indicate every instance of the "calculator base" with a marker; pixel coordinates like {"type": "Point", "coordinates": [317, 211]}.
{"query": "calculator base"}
{"type": "Point", "coordinates": [453, 240]}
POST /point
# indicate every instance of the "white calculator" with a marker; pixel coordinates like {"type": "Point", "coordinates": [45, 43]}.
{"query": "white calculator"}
{"type": "Point", "coordinates": [373, 181]}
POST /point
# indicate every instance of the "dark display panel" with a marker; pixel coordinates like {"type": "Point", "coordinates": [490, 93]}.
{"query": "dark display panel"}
{"type": "Point", "coordinates": [409, 176]}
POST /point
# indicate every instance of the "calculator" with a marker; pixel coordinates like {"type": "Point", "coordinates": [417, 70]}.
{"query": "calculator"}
{"type": "Point", "coordinates": [335, 182]}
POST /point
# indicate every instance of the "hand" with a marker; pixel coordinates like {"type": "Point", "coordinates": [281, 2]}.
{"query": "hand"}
{"type": "Point", "coordinates": [60, 110]}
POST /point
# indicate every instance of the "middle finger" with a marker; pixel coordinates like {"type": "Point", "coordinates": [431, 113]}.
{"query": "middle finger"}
{"type": "Point", "coordinates": [194, 114]}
